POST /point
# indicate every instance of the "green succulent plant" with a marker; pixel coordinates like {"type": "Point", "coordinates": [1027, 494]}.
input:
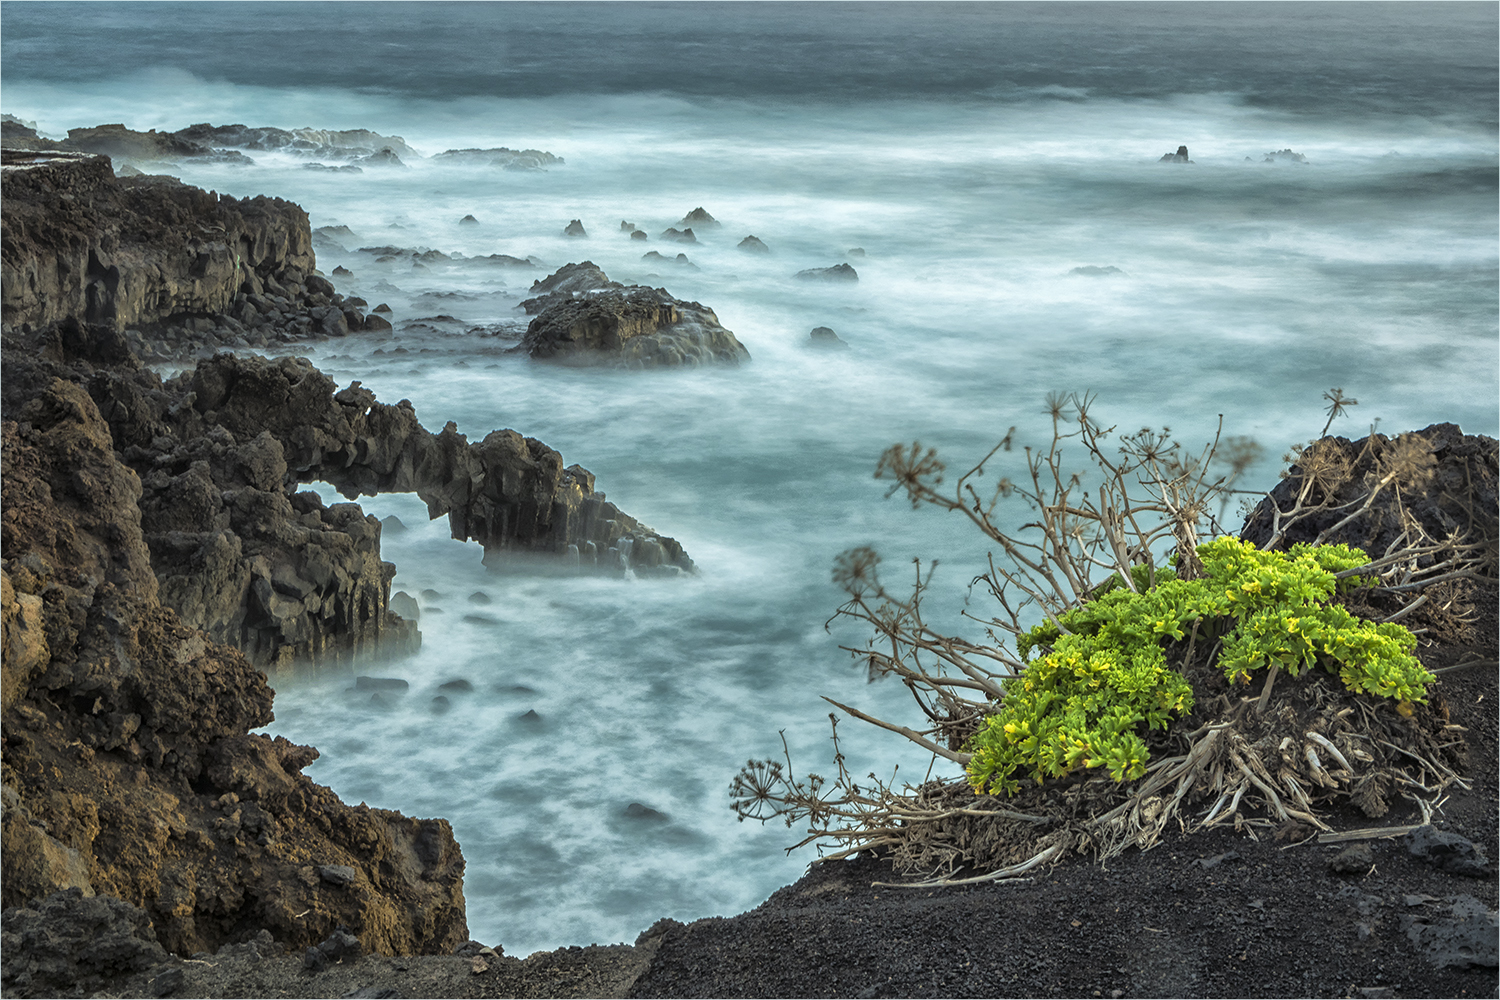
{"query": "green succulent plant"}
{"type": "Point", "coordinates": [1097, 677]}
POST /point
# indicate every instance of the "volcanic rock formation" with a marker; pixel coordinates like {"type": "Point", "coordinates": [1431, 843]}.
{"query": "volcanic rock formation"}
{"type": "Point", "coordinates": [129, 768]}
{"type": "Point", "coordinates": [584, 318]}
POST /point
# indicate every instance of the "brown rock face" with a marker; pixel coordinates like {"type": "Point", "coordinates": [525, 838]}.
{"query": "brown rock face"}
{"type": "Point", "coordinates": [128, 768]}
{"type": "Point", "coordinates": [132, 251]}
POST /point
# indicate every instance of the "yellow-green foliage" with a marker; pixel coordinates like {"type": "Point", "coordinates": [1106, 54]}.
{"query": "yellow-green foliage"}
{"type": "Point", "coordinates": [1082, 703]}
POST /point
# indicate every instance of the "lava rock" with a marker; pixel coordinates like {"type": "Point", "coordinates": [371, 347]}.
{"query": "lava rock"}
{"type": "Point", "coordinates": [1448, 851]}
{"type": "Point", "coordinates": [838, 272]}
{"type": "Point", "coordinates": [1356, 859]}
{"type": "Point", "coordinates": [69, 941]}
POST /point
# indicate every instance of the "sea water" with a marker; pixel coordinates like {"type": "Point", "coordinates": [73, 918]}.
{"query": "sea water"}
{"type": "Point", "coordinates": [976, 155]}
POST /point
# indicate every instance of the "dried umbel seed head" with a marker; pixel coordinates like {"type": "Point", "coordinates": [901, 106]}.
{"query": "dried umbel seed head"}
{"type": "Point", "coordinates": [1324, 463]}
{"type": "Point", "coordinates": [1408, 461]}
{"type": "Point", "coordinates": [854, 570]}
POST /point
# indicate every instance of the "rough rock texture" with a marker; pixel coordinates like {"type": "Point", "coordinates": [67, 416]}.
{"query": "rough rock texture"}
{"type": "Point", "coordinates": [318, 143]}
{"type": "Point", "coordinates": [180, 270]}
{"type": "Point", "coordinates": [584, 318]}
{"type": "Point", "coordinates": [1443, 477]}
{"type": "Point", "coordinates": [507, 492]}
{"type": "Point", "coordinates": [128, 765]}
{"type": "Point", "coordinates": [68, 941]}
{"type": "Point", "coordinates": [122, 143]}
{"type": "Point", "coordinates": [80, 243]}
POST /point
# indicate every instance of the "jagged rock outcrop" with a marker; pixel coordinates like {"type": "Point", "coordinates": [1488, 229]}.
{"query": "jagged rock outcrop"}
{"type": "Point", "coordinates": [317, 143]}
{"type": "Point", "coordinates": [78, 242]}
{"type": "Point", "coordinates": [752, 244]}
{"type": "Point", "coordinates": [129, 768]}
{"type": "Point", "coordinates": [182, 271]}
{"type": "Point", "coordinates": [1181, 156]}
{"type": "Point", "coordinates": [1443, 479]}
{"type": "Point", "coordinates": [507, 492]}
{"type": "Point", "coordinates": [584, 318]}
{"type": "Point", "coordinates": [212, 460]}
{"type": "Point", "coordinates": [124, 144]}
{"type": "Point", "coordinates": [699, 217]}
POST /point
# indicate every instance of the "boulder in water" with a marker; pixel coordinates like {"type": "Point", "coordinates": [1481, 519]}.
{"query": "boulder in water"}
{"type": "Point", "coordinates": [824, 338]}
{"type": "Point", "coordinates": [384, 157]}
{"type": "Point", "coordinates": [752, 244]}
{"type": "Point", "coordinates": [627, 227]}
{"type": "Point", "coordinates": [633, 327]}
{"type": "Point", "coordinates": [468, 220]}
{"type": "Point", "coordinates": [405, 605]}
{"type": "Point", "coordinates": [575, 228]}
{"type": "Point", "coordinates": [1181, 156]}
{"type": "Point", "coordinates": [679, 236]}
{"type": "Point", "coordinates": [838, 272]}
{"type": "Point", "coordinates": [639, 234]}
{"type": "Point", "coordinates": [1093, 271]}
{"type": "Point", "coordinates": [699, 217]}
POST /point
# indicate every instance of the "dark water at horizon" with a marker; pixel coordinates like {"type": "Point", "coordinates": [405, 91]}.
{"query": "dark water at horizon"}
{"type": "Point", "coordinates": [1430, 59]}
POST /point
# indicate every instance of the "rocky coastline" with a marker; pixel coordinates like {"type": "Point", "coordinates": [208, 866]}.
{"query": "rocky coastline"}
{"type": "Point", "coordinates": [160, 559]}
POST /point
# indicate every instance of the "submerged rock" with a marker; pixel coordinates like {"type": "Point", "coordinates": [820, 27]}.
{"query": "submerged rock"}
{"type": "Point", "coordinates": [752, 244]}
{"type": "Point", "coordinates": [468, 220]}
{"type": "Point", "coordinates": [639, 234]}
{"type": "Point", "coordinates": [575, 228]}
{"type": "Point", "coordinates": [1093, 271]}
{"type": "Point", "coordinates": [1181, 156]}
{"type": "Point", "coordinates": [679, 236]}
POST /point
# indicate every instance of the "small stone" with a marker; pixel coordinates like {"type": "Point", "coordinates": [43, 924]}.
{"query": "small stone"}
{"type": "Point", "coordinates": [337, 874]}
{"type": "Point", "coordinates": [1355, 859]}
{"type": "Point", "coordinates": [166, 982]}
{"type": "Point", "coordinates": [314, 960]}
{"type": "Point", "coordinates": [478, 966]}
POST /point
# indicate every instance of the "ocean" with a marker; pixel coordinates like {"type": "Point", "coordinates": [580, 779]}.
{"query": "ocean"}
{"type": "Point", "coordinates": [965, 159]}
